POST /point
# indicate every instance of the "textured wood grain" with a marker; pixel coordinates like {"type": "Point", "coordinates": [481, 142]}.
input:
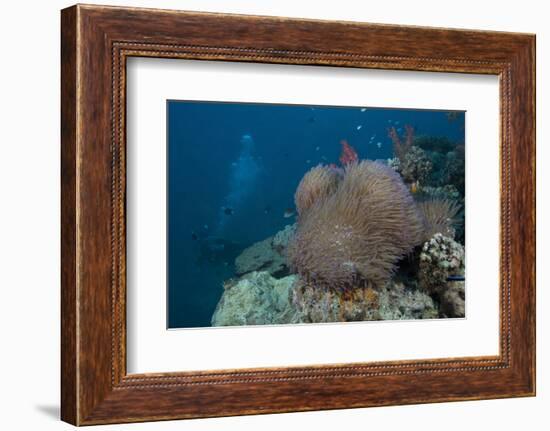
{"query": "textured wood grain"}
{"type": "Point", "coordinates": [96, 41]}
{"type": "Point", "coordinates": [69, 397]}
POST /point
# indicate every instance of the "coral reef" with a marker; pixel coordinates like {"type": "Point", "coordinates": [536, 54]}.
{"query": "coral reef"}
{"type": "Point", "coordinates": [440, 258]}
{"type": "Point", "coordinates": [283, 237]}
{"type": "Point", "coordinates": [359, 232]}
{"type": "Point", "coordinates": [258, 298]}
{"type": "Point", "coordinates": [398, 302]}
{"type": "Point", "coordinates": [393, 301]}
{"type": "Point", "coordinates": [455, 168]}
{"type": "Point", "coordinates": [373, 241]}
{"type": "Point", "coordinates": [320, 182]}
{"type": "Point", "coordinates": [260, 257]}
{"type": "Point", "coordinates": [436, 144]}
{"type": "Point", "coordinates": [415, 167]}
{"type": "Point", "coordinates": [439, 216]}
{"type": "Point", "coordinates": [448, 161]}
{"type": "Point", "coordinates": [267, 255]}
{"type": "Point", "coordinates": [410, 161]}
{"type": "Point", "coordinates": [452, 300]}
{"type": "Point", "coordinates": [328, 305]}
{"type": "Point", "coordinates": [447, 191]}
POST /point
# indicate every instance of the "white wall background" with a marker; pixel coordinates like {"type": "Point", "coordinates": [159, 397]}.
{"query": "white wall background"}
{"type": "Point", "coordinates": [29, 214]}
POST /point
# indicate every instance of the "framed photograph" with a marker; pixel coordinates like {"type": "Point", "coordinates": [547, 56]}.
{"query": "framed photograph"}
{"type": "Point", "coordinates": [264, 215]}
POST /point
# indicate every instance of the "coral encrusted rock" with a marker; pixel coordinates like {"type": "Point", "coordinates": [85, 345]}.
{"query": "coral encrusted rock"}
{"type": "Point", "coordinates": [267, 255]}
{"type": "Point", "coordinates": [452, 300]}
{"type": "Point", "coordinates": [256, 299]}
{"type": "Point", "coordinates": [440, 258]}
{"type": "Point", "coordinates": [415, 166]}
{"type": "Point", "coordinates": [393, 301]}
{"type": "Point", "coordinates": [447, 191]}
{"type": "Point", "coordinates": [282, 238]}
{"type": "Point", "coordinates": [322, 305]}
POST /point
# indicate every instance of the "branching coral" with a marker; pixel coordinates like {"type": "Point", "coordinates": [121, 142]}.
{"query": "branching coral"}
{"type": "Point", "coordinates": [318, 183]}
{"type": "Point", "coordinates": [440, 216]}
{"type": "Point", "coordinates": [358, 233]}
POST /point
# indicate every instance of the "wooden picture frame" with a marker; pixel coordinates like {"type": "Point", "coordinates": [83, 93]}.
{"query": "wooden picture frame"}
{"type": "Point", "coordinates": [95, 43]}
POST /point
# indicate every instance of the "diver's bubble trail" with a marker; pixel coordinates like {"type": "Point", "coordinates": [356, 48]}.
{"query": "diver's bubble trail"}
{"type": "Point", "coordinates": [242, 183]}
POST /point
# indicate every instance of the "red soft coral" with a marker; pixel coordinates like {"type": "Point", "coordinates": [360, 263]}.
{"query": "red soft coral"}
{"type": "Point", "coordinates": [401, 147]}
{"type": "Point", "coordinates": [348, 155]}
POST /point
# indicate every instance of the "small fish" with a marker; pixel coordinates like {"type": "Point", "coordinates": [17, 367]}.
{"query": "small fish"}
{"type": "Point", "coordinates": [308, 161]}
{"type": "Point", "coordinates": [267, 209]}
{"type": "Point", "coordinates": [359, 127]}
{"type": "Point", "coordinates": [234, 164]}
{"type": "Point", "coordinates": [396, 122]}
{"type": "Point", "coordinates": [363, 109]}
{"type": "Point", "coordinates": [311, 120]}
{"type": "Point", "coordinates": [379, 144]}
{"type": "Point", "coordinates": [414, 187]}
{"type": "Point", "coordinates": [317, 148]}
{"type": "Point", "coordinates": [228, 211]}
{"type": "Point", "coordinates": [205, 227]}
{"type": "Point", "coordinates": [194, 236]}
{"type": "Point", "coordinates": [456, 278]}
{"type": "Point", "coordinates": [289, 212]}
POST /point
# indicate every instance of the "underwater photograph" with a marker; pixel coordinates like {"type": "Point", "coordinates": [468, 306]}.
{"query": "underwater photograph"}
{"type": "Point", "coordinates": [298, 214]}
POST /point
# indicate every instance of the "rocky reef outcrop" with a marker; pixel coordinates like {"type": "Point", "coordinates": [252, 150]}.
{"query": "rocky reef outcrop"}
{"type": "Point", "coordinates": [393, 301]}
{"type": "Point", "coordinates": [452, 300]}
{"type": "Point", "coordinates": [441, 257]}
{"type": "Point", "coordinates": [440, 274]}
{"type": "Point", "coordinates": [414, 167]}
{"type": "Point", "coordinates": [268, 255]}
{"type": "Point", "coordinates": [258, 298]}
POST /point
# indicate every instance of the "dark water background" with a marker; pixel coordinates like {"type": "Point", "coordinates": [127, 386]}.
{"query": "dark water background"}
{"type": "Point", "coordinates": [211, 167]}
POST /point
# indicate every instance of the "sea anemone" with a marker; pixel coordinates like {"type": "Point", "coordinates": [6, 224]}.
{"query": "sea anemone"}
{"type": "Point", "coordinates": [357, 234]}
{"type": "Point", "coordinates": [439, 217]}
{"type": "Point", "coordinates": [318, 183]}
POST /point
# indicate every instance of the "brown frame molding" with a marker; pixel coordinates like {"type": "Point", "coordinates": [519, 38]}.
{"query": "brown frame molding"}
{"type": "Point", "coordinates": [95, 43]}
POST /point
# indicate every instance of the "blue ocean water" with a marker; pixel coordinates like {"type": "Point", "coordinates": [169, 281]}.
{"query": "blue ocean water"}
{"type": "Point", "coordinates": [233, 169]}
